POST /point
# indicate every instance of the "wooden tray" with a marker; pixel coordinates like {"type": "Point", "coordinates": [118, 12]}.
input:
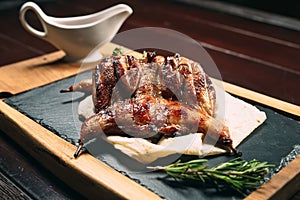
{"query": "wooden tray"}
{"type": "Point", "coordinates": [83, 173]}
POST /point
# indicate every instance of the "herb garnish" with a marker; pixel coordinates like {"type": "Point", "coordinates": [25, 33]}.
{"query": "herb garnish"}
{"type": "Point", "coordinates": [117, 51]}
{"type": "Point", "coordinates": [239, 174]}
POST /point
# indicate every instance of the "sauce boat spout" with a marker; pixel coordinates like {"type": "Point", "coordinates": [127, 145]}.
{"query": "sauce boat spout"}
{"type": "Point", "coordinates": [79, 37]}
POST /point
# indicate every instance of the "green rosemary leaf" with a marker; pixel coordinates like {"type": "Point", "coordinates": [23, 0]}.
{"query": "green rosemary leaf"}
{"type": "Point", "coordinates": [117, 51]}
{"type": "Point", "coordinates": [237, 173]}
{"type": "Point", "coordinates": [144, 55]}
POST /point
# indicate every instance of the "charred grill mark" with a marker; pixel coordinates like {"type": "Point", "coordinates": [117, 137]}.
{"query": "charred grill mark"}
{"type": "Point", "coordinates": [177, 55]}
{"type": "Point", "coordinates": [96, 77]}
{"type": "Point", "coordinates": [105, 81]}
{"type": "Point", "coordinates": [171, 80]}
{"type": "Point", "coordinates": [174, 114]}
{"type": "Point", "coordinates": [119, 70]}
{"type": "Point", "coordinates": [141, 112]}
{"type": "Point", "coordinates": [212, 95]}
{"type": "Point", "coordinates": [172, 62]}
{"type": "Point", "coordinates": [131, 62]}
{"type": "Point", "coordinates": [194, 81]}
{"type": "Point", "coordinates": [150, 56]}
{"type": "Point", "coordinates": [185, 70]}
{"type": "Point", "coordinates": [202, 93]}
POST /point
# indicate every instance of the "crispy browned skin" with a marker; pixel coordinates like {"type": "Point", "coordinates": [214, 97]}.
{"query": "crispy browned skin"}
{"type": "Point", "coordinates": [171, 75]}
{"type": "Point", "coordinates": [141, 98]}
{"type": "Point", "coordinates": [145, 116]}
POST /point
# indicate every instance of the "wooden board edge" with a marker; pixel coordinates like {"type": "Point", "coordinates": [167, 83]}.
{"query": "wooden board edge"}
{"type": "Point", "coordinates": [86, 174]}
{"type": "Point", "coordinates": [45, 69]}
{"type": "Point", "coordinates": [262, 99]}
{"type": "Point", "coordinates": [282, 186]}
{"type": "Point", "coordinates": [39, 60]}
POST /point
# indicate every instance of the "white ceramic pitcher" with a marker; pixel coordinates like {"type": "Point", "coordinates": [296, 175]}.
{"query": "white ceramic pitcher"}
{"type": "Point", "coordinates": [78, 36]}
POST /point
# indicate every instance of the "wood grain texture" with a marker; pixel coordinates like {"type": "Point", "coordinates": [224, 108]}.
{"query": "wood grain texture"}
{"type": "Point", "coordinates": [29, 175]}
{"type": "Point", "coordinates": [263, 99]}
{"type": "Point", "coordinates": [25, 75]}
{"type": "Point", "coordinates": [282, 186]}
{"type": "Point", "coordinates": [41, 70]}
{"type": "Point", "coordinates": [8, 190]}
{"type": "Point", "coordinates": [86, 174]}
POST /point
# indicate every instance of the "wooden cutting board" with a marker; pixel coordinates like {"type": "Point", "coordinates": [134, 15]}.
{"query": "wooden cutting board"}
{"type": "Point", "coordinates": [83, 173]}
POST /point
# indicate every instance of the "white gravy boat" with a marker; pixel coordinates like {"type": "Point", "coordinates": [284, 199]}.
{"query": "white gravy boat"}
{"type": "Point", "coordinates": [78, 36]}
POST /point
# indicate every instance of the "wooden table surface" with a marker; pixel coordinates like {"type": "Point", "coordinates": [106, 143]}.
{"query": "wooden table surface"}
{"type": "Point", "coordinates": [258, 56]}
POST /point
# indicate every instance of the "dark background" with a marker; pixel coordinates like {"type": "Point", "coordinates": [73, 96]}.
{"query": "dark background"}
{"type": "Point", "coordinates": [259, 56]}
{"type": "Point", "coordinates": [290, 8]}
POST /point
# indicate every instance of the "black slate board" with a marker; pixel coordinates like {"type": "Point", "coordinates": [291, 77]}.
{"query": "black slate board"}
{"type": "Point", "coordinates": [270, 142]}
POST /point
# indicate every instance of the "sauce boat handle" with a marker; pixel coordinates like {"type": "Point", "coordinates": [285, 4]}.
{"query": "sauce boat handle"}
{"type": "Point", "coordinates": [39, 13]}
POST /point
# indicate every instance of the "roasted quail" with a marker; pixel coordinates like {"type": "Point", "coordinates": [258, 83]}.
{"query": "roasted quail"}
{"type": "Point", "coordinates": [151, 98]}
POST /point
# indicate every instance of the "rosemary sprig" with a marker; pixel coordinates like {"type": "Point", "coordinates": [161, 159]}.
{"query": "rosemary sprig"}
{"type": "Point", "coordinates": [117, 51]}
{"type": "Point", "coordinates": [144, 55]}
{"type": "Point", "coordinates": [239, 174]}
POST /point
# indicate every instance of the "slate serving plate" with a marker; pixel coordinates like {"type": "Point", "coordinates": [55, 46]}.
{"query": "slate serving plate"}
{"type": "Point", "coordinates": [58, 112]}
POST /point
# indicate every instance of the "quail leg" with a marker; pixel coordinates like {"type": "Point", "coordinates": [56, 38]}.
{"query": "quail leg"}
{"type": "Point", "coordinates": [85, 86]}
